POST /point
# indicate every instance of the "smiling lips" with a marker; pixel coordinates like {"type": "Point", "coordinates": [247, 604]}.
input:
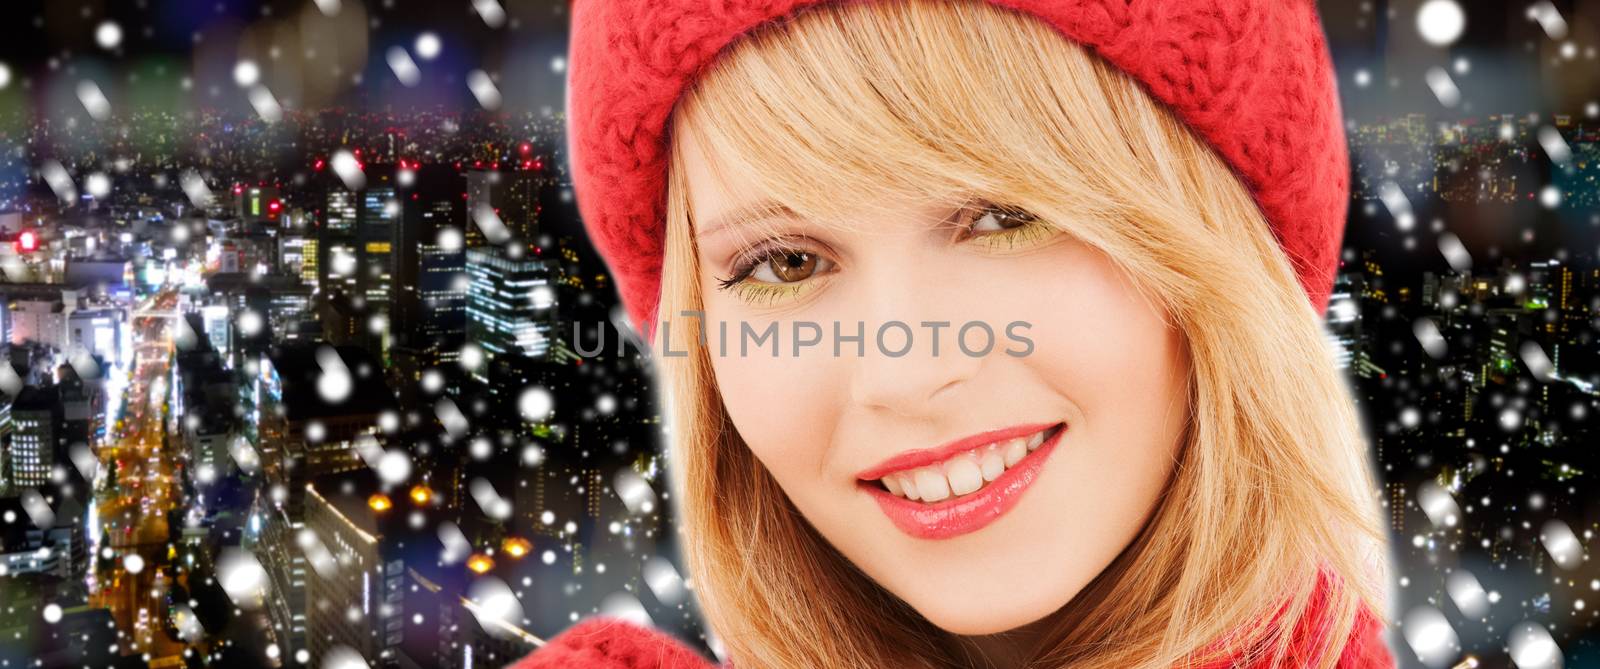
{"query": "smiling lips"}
{"type": "Point", "coordinates": [960, 487]}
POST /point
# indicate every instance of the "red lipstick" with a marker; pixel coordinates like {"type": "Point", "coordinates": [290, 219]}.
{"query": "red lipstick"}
{"type": "Point", "coordinates": [967, 513]}
{"type": "Point", "coordinates": [927, 456]}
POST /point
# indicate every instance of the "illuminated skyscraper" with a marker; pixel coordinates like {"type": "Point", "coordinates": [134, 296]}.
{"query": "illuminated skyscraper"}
{"type": "Point", "coordinates": [428, 301]}
{"type": "Point", "coordinates": [380, 213]}
{"type": "Point", "coordinates": [297, 255]}
{"type": "Point", "coordinates": [510, 303]}
{"type": "Point", "coordinates": [36, 426]}
{"type": "Point", "coordinates": [341, 213]}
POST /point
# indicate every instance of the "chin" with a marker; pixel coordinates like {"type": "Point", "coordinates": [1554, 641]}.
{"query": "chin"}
{"type": "Point", "coordinates": [974, 617]}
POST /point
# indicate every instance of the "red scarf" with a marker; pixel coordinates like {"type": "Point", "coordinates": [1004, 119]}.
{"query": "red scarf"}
{"type": "Point", "coordinates": [612, 643]}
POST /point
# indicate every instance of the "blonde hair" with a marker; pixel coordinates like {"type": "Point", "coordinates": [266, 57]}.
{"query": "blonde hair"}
{"type": "Point", "coordinates": [1272, 484]}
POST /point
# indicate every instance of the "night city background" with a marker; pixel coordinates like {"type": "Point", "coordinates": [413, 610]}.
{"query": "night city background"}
{"type": "Point", "coordinates": [312, 365]}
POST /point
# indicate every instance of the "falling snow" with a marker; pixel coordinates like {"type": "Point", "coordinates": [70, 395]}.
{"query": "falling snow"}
{"type": "Point", "coordinates": [1464, 314]}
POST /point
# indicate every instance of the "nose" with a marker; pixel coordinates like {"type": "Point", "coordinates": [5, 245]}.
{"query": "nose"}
{"type": "Point", "coordinates": [911, 365]}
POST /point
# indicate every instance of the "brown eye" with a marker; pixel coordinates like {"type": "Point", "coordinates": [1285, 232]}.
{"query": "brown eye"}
{"type": "Point", "coordinates": [780, 266]}
{"type": "Point", "coordinates": [787, 267]}
{"type": "Point", "coordinates": [996, 219]}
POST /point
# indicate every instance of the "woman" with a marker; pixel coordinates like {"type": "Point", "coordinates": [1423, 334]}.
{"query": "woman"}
{"type": "Point", "coordinates": [1153, 463]}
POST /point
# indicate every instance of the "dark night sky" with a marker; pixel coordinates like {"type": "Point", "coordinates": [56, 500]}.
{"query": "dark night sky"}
{"type": "Point", "coordinates": [163, 40]}
{"type": "Point", "coordinates": [1513, 66]}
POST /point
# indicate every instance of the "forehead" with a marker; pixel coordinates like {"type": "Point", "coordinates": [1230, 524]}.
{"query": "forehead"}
{"type": "Point", "coordinates": [711, 186]}
{"type": "Point", "coordinates": [728, 194]}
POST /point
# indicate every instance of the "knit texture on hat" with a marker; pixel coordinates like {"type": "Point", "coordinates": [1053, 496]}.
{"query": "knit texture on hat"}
{"type": "Point", "coordinates": [1253, 78]}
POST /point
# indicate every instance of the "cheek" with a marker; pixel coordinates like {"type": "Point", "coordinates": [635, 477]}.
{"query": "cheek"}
{"type": "Point", "coordinates": [1123, 368]}
{"type": "Point", "coordinates": [1125, 371]}
{"type": "Point", "coordinates": [780, 405]}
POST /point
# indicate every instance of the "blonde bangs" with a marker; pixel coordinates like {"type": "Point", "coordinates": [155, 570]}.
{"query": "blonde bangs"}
{"type": "Point", "coordinates": [794, 104]}
{"type": "Point", "coordinates": [959, 99]}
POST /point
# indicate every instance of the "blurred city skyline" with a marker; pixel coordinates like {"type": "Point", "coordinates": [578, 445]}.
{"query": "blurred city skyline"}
{"type": "Point", "coordinates": [290, 290]}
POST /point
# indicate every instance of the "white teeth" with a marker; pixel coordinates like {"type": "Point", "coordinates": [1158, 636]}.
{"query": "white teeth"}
{"type": "Point", "coordinates": [932, 484]}
{"type": "Point", "coordinates": [964, 474]}
{"type": "Point", "coordinates": [1014, 450]}
{"type": "Point", "coordinates": [910, 486]}
{"type": "Point", "coordinates": [993, 464]}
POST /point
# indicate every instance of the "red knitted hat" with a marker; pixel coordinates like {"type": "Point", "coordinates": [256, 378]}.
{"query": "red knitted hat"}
{"type": "Point", "coordinates": [1251, 77]}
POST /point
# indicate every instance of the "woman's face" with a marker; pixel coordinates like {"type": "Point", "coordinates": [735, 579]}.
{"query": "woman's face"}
{"type": "Point", "coordinates": [984, 490]}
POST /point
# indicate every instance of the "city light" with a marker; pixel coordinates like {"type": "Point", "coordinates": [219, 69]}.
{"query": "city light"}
{"type": "Point", "coordinates": [480, 563]}
{"type": "Point", "coordinates": [516, 546]}
{"type": "Point", "coordinates": [421, 494]}
{"type": "Point", "coordinates": [379, 502]}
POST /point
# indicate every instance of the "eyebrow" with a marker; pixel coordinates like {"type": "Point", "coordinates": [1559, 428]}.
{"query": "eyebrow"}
{"type": "Point", "coordinates": [764, 209]}
{"type": "Point", "coordinates": [744, 214]}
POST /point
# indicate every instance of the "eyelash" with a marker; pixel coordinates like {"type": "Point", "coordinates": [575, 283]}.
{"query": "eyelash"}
{"type": "Point", "coordinates": [1032, 230]}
